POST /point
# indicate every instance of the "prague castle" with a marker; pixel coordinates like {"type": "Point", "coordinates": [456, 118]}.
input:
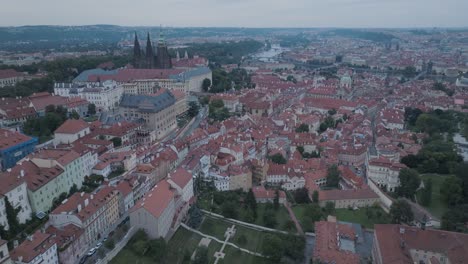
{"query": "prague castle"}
{"type": "Point", "coordinates": [151, 59]}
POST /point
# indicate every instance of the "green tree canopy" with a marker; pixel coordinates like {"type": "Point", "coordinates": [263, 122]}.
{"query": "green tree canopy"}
{"type": "Point", "coordinates": [333, 176]}
{"type": "Point", "coordinates": [409, 183]}
{"type": "Point", "coordinates": [451, 191]}
{"type": "Point", "coordinates": [401, 212]}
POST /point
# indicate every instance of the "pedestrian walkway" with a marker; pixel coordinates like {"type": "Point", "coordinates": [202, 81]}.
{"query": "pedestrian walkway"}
{"type": "Point", "coordinates": [245, 224]}
{"type": "Point", "coordinates": [294, 219]}
{"type": "Point", "coordinates": [220, 241]}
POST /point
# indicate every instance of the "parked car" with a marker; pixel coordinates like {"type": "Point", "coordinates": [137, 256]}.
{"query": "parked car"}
{"type": "Point", "coordinates": [91, 251]}
{"type": "Point", "coordinates": [99, 245]}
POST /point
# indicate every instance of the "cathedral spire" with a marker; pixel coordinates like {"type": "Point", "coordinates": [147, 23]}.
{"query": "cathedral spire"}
{"type": "Point", "coordinates": [161, 40]}
{"type": "Point", "coordinates": [136, 52]}
{"type": "Point", "coordinates": [149, 53]}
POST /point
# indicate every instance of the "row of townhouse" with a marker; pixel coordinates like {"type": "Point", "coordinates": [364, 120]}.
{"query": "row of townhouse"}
{"type": "Point", "coordinates": [36, 181]}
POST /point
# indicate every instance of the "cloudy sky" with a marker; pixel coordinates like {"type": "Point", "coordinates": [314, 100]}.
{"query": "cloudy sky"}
{"type": "Point", "coordinates": [238, 13]}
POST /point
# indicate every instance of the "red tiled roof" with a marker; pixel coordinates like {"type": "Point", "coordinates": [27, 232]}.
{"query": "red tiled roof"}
{"type": "Point", "coordinates": [327, 249]}
{"type": "Point", "coordinates": [333, 195]}
{"type": "Point", "coordinates": [29, 249]}
{"type": "Point", "coordinates": [389, 239]}
{"type": "Point", "coordinates": [156, 200]}
{"type": "Point", "coordinates": [9, 73]}
{"type": "Point", "coordinates": [261, 193]}
{"type": "Point", "coordinates": [72, 126]}
{"type": "Point", "coordinates": [181, 177]}
{"type": "Point", "coordinates": [11, 138]}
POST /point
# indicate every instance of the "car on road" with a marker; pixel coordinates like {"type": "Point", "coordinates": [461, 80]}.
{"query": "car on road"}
{"type": "Point", "coordinates": [91, 251]}
{"type": "Point", "coordinates": [99, 245]}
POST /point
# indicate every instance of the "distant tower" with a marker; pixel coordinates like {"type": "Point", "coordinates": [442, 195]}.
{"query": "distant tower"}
{"type": "Point", "coordinates": [177, 56]}
{"type": "Point", "coordinates": [136, 53]}
{"type": "Point", "coordinates": [149, 54]}
{"type": "Point", "coordinates": [163, 60]}
{"type": "Point", "coordinates": [186, 55]}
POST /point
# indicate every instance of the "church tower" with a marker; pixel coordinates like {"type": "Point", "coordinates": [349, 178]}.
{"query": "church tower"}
{"type": "Point", "coordinates": [149, 54]}
{"type": "Point", "coordinates": [163, 60]}
{"type": "Point", "coordinates": [136, 53]}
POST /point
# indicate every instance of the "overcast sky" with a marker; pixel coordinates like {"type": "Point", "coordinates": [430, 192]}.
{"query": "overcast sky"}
{"type": "Point", "coordinates": [237, 13]}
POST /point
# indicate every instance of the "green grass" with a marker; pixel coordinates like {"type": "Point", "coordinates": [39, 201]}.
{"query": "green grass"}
{"type": "Point", "coordinates": [126, 256]}
{"type": "Point", "coordinates": [437, 206]}
{"type": "Point", "coordinates": [214, 227]}
{"type": "Point", "coordinates": [359, 216]}
{"type": "Point", "coordinates": [217, 227]}
{"type": "Point", "coordinates": [181, 243]}
{"type": "Point", "coordinates": [282, 217]}
{"type": "Point", "coordinates": [234, 256]}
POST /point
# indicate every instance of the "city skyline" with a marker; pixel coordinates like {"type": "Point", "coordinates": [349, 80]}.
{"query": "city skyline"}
{"type": "Point", "coordinates": [254, 13]}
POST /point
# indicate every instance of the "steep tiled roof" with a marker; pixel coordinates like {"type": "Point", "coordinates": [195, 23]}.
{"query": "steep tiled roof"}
{"type": "Point", "coordinates": [156, 200]}
{"type": "Point", "coordinates": [72, 126]}
{"type": "Point", "coordinates": [10, 138]}
{"type": "Point", "coordinates": [395, 242]}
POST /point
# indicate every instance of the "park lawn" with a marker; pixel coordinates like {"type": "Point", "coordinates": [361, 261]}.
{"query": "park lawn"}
{"type": "Point", "coordinates": [235, 256]}
{"type": "Point", "coordinates": [126, 256]}
{"type": "Point", "coordinates": [181, 243]}
{"type": "Point", "coordinates": [359, 216]}
{"type": "Point", "coordinates": [282, 217]}
{"type": "Point", "coordinates": [214, 227]}
{"type": "Point", "coordinates": [253, 237]}
{"type": "Point", "coordinates": [437, 206]}
{"type": "Point", "coordinates": [299, 211]}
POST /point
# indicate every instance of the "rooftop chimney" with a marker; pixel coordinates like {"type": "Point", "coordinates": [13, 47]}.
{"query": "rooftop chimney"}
{"type": "Point", "coordinates": [79, 208]}
{"type": "Point", "coordinates": [22, 173]}
{"type": "Point", "coordinates": [86, 202]}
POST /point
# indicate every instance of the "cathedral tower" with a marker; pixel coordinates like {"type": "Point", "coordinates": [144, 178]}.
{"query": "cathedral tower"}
{"type": "Point", "coordinates": [136, 53]}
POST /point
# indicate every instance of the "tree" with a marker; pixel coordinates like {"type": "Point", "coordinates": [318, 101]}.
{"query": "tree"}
{"type": "Point", "coordinates": [73, 189]}
{"type": "Point", "coordinates": [332, 111]}
{"type": "Point", "coordinates": [74, 115]}
{"type": "Point", "coordinates": [451, 191]}
{"type": "Point", "coordinates": [12, 217]}
{"type": "Point", "coordinates": [400, 212]}
{"type": "Point", "coordinates": [158, 249]}
{"type": "Point", "coordinates": [109, 244]}
{"type": "Point", "coordinates": [311, 214]}
{"type": "Point", "coordinates": [116, 141]}
{"type": "Point", "coordinates": [229, 209]}
{"type": "Point", "coordinates": [426, 194]}
{"type": "Point", "coordinates": [273, 247]}
{"type": "Point", "coordinates": [315, 196]}
{"type": "Point", "coordinates": [269, 218]}
{"type": "Point", "coordinates": [195, 216]}
{"type": "Point", "coordinates": [455, 219]}
{"type": "Point", "coordinates": [278, 159]}
{"type": "Point", "coordinates": [206, 84]}
{"type": "Point", "coordinates": [276, 200]}
{"type": "Point", "coordinates": [303, 128]}
{"type": "Point", "coordinates": [193, 110]}
{"type": "Point", "coordinates": [301, 196]}
{"type": "Point", "coordinates": [293, 246]}
{"type": "Point", "coordinates": [251, 203]}
{"type": "Point", "coordinates": [333, 176]}
{"type": "Point", "coordinates": [329, 208]}
{"type": "Point", "coordinates": [201, 256]}
{"type": "Point", "coordinates": [409, 183]}
{"type": "Point", "coordinates": [91, 109]}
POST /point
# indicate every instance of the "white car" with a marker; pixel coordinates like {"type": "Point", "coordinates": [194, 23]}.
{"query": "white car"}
{"type": "Point", "coordinates": [99, 245]}
{"type": "Point", "coordinates": [91, 252]}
